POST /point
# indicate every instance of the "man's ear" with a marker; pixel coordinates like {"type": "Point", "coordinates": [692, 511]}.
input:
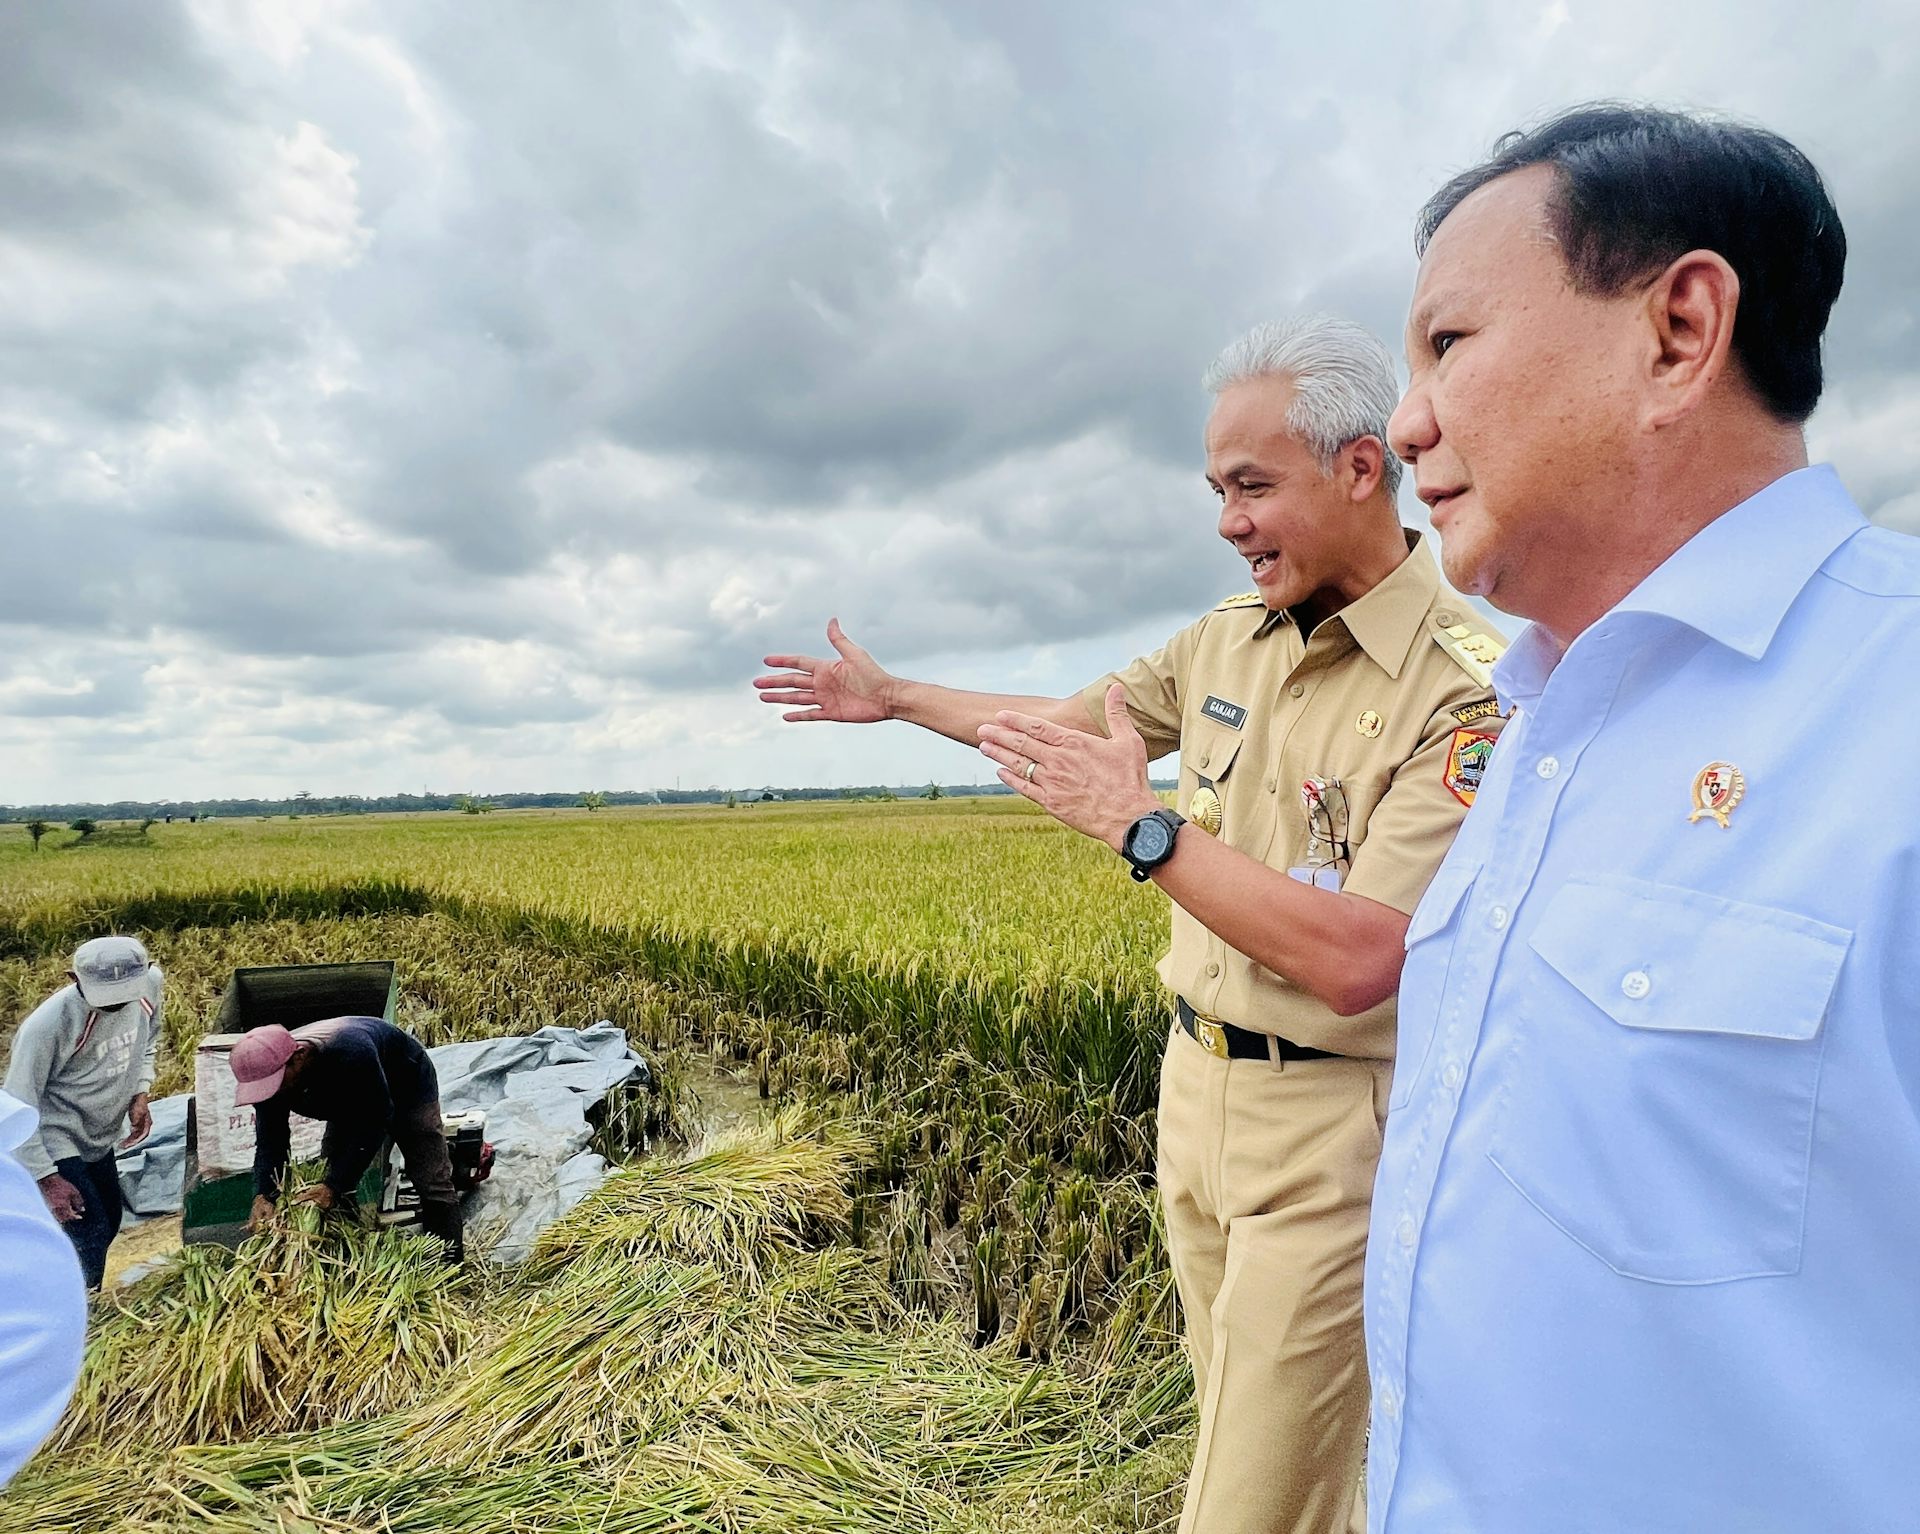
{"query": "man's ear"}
{"type": "Point", "coordinates": [1690, 309]}
{"type": "Point", "coordinates": [1365, 459]}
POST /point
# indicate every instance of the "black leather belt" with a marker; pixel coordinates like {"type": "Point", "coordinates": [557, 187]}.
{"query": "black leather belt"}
{"type": "Point", "coordinates": [1228, 1041]}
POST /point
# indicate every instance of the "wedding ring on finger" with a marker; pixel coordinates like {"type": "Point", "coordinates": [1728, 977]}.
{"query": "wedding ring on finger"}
{"type": "Point", "coordinates": [1031, 766]}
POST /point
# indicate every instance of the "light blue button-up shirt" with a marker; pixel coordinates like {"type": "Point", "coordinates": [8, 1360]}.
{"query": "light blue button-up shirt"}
{"type": "Point", "coordinates": [1645, 1252]}
{"type": "Point", "coordinates": [43, 1303]}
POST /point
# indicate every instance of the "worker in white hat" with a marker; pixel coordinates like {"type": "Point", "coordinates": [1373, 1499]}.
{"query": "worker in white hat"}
{"type": "Point", "coordinates": [84, 1061]}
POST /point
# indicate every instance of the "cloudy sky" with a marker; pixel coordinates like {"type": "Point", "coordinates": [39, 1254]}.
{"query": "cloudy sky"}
{"type": "Point", "coordinates": [467, 395]}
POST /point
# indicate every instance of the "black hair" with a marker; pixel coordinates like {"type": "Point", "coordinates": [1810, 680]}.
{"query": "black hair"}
{"type": "Point", "coordinates": [1637, 187]}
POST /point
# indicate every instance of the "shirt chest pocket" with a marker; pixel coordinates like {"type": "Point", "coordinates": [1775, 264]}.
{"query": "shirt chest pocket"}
{"type": "Point", "coordinates": [1659, 1101]}
{"type": "Point", "coordinates": [1206, 757]}
{"type": "Point", "coordinates": [1212, 752]}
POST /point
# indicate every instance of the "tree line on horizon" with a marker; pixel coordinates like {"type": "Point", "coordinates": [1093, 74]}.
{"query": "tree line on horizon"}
{"type": "Point", "coordinates": [389, 804]}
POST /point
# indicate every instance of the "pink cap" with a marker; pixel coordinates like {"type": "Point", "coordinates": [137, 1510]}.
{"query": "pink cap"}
{"type": "Point", "coordinates": [259, 1062]}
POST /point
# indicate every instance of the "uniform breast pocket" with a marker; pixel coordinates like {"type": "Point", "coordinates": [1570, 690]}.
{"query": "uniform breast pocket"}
{"type": "Point", "coordinates": [1212, 752]}
{"type": "Point", "coordinates": [1659, 1100]}
{"type": "Point", "coordinates": [1206, 757]}
{"type": "Point", "coordinates": [1428, 972]}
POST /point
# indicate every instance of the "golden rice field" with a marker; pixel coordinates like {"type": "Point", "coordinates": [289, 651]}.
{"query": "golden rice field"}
{"type": "Point", "coordinates": [955, 1312]}
{"type": "Point", "coordinates": [969, 887]}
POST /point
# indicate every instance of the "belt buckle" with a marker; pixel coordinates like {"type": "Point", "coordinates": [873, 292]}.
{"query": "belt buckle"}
{"type": "Point", "coordinates": [1212, 1037]}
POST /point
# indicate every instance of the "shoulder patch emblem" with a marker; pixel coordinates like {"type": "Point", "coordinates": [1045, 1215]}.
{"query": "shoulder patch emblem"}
{"type": "Point", "coordinates": [1486, 708]}
{"type": "Point", "coordinates": [1244, 599]}
{"type": "Point", "coordinates": [1467, 763]}
{"type": "Point", "coordinates": [1472, 650]}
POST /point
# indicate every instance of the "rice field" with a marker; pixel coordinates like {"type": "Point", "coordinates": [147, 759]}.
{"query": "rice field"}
{"type": "Point", "coordinates": [760, 1376]}
{"type": "Point", "coordinates": [938, 1299]}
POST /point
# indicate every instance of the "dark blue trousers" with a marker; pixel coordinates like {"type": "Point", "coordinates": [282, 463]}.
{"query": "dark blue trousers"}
{"type": "Point", "coordinates": [93, 1232]}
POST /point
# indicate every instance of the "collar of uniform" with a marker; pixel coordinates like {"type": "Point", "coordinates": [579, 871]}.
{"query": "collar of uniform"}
{"type": "Point", "coordinates": [1735, 579]}
{"type": "Point", "coordinates": [1776, 540]}
{"type": "Point", "coordinates": [18, 1120]}
{"type": "Point", "coordinates": [1386, 620]}
{"type": "Point", "coordinates": [1520, 676]}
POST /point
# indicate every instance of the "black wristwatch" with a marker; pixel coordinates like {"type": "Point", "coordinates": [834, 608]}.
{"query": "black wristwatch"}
{"type": "Point", "coordinates": [1149, 841]}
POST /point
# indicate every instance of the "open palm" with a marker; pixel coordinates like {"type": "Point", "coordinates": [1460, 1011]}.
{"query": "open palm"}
{"type": "Point", "coordinates": [850, 690]}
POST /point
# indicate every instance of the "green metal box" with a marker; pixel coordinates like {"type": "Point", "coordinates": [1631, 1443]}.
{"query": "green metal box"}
{"type": "Point", "coordinates": [219, 1198]}
{"type": "Point", "coordinates": [295, 994]}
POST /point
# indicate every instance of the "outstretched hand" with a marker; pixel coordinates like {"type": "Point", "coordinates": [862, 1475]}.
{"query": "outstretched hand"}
{"type": "Point", "coordinates": [850, 690]}
{"type": "Point", "coordinates": [1098, 787]}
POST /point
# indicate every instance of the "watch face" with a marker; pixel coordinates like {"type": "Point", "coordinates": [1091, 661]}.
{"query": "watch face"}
{"type": "Point", "coordinates": [1151, 839]}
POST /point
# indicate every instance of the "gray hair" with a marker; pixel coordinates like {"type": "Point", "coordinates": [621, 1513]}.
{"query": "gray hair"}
{"type": "Point", "coordinates": [1344, 386]}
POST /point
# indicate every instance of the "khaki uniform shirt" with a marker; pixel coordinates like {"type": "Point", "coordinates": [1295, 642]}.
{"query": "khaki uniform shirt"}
{"type": "Point", "coordinates": [1390, 696]}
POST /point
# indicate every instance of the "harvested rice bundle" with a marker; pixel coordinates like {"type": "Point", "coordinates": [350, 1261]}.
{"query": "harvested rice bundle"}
{"type": "Point", "coordinates": [612, 1355]}
{"type": "Point", "coordinates": [743, 1201]}
{"type": "Point", "coordinates": [301, 1327]}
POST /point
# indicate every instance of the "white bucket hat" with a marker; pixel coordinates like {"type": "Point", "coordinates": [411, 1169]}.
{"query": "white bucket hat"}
{"type": "Point", "coordinates": [112, 971]}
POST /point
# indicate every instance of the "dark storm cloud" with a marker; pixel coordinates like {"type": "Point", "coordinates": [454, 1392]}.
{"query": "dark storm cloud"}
{"type": "Point", "coordinates": [377, 377]}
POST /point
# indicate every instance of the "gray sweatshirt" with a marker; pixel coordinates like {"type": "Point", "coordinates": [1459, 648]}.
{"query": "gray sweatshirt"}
{"type": "Point", "coordinates": [80, 1068]}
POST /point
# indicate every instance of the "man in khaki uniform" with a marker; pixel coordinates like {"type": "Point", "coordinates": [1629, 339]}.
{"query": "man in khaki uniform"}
{"type": "Point", "coordinates": [1333, 726]}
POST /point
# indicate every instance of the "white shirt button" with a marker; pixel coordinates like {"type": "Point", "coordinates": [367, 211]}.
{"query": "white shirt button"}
{"type": "Point", "coordinates": [1213, 969]}
{"type": "Point", "coordinates": [1635, 984]}
{"type": "Point", "coordinates": [1452, 1075]}
{"type": "Point", "coordinates": [1297, 690]}
{"type": "Point", "coordinates": [1389, 1402]}
{"type": "Point", "coordinates": [1406, 1230]}
{"type": "Point", "coordinates": [1497, 918]}
{"type": "Point", "coordinates": [1549, 767]}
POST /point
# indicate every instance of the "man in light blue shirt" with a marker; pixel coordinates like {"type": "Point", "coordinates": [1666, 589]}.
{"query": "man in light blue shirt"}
{"type": "Point", "coordinates": [43, 1303]}
{"type": "Point", "coordinates": [1645, 1247]}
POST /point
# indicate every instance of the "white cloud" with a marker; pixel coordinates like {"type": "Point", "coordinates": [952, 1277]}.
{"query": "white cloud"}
{"type": "Point", "coordinates": [388, 399]}
{"type": "Point", "coordinates": [308, 210]}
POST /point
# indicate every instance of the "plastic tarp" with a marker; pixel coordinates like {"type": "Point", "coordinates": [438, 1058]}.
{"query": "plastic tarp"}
{"type": "Point", "coordinates": [153, 1175]}
{"type": "Point", "coordinates": [536, 1090]}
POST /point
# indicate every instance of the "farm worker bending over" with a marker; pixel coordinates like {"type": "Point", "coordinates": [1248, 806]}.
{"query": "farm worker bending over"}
{"type": "Point", "coordinates": [1333, 724]}
{"type": "Point", "coordinates": [83, 1061]}
{"type": "Point", "coordinates": [43, 1303]}
{"type": "Point", "coordinates": [367, 1080]}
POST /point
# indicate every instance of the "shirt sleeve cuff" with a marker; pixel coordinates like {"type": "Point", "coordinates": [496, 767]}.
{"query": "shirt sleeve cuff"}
{"type": "Point", "coordinates": [1094, 699]}
{"type": "Point", "coordinates": [37, 1162]}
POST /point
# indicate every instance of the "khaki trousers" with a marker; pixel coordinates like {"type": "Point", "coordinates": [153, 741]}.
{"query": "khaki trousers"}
{"type": "Point", "coordinates": [1265, 1174]}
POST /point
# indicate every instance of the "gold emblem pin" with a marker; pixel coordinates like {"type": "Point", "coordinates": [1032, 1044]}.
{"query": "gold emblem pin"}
{"type": "Point", "coordinates": [1203, 809]}
{"type": "Point", "coordinates": [1368, 724]}
{"type": "Point", "coordinates": [1717, 788]}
